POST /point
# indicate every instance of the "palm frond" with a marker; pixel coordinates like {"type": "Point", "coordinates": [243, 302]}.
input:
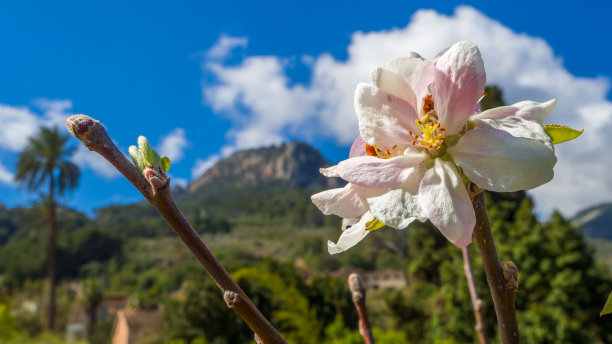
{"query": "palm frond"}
{"type": "Point", "coordinates": [47, 156]}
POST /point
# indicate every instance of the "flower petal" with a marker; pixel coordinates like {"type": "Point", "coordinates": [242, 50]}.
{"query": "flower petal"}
{"type": "Point", "coordinates": [498, 161]}
{"type": "Point", "coordinates": [384, 119]}
{"type": "Point", "coordinates": [528, 110]}
{"type": "Point", "coordinates": [358, 148]}
{"type": "Point", "coordinates": [329, 171]}
{"type": "Point", "coordinates": [459, 83]}
{"type": "Point", "coordinates": [446, 202]}
{"type": "Point", "coordinates": [396, 208]}
{"type": "Point", "coordinates": [351, 236]}
{"type": "Point", "coordinates": [346, 202]}
{"type": "Point", "coordinates": [348, 222]}
{"type": "Point", "coordinates": [407, 78]}
{"type": "Point", "coordinates": [392, 83]}
{"type": "Point", "coordinates": [518, 127]}
{"type": "Point", "coordinates": [379, 173]}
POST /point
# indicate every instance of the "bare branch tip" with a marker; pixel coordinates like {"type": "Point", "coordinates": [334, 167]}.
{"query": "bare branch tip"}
{"type": "Point", "coordinates": [79, 125]}
{"type": "Point", "coordinates": [355, 283]}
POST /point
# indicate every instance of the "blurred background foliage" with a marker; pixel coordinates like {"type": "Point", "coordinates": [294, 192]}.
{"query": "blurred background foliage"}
{"type": "Point", "coordinates": [285, 268]}
{"type": "Point", "coordinates": [273, 240]}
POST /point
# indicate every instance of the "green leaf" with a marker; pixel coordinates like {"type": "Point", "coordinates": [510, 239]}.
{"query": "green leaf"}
{"type": "Point", "coordinates": [607, 307]}
{"type": "Point", "coordinates": [374, 225]}
{"type": "Point", "coordinates": [560, 134]}
{"type": "Point", "coordinates": [151, 158]}
{"type": "Point", "coordinates": [165, 163]}
{"type": "Point", "coordinates": [137, 158]}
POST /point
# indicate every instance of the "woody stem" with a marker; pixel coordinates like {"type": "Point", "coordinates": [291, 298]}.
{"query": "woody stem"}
{"type": "Point", "coordinates": [502, 278]}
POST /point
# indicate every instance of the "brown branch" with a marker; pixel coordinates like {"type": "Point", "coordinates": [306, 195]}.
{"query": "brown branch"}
{"type": "Point", "coordinates": [93, 135]}
{"type": "Point", "coordinates": [359, 299]}
{"type": "Point", "coordinates": [503, 281]}
{"type": "Point", "coordinates": [476, 302]}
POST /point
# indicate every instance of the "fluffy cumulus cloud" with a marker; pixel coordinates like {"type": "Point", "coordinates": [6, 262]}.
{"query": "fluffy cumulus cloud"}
{"type": "Point", "coordinates": [86, 159]}
{"type": "Point", "coordinates": [265, 106]}
{"type": "Point", "coordinates": [173, 145]}
{"type": "Point", "coordinates": [224, 46]}
{"type": "Point", "coordinates": [19, 123]}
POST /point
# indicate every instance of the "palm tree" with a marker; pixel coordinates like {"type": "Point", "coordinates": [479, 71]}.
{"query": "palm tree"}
{"type": "Point", "coordinates": [46, 159]}
{"type": "Point", "coordinates": [91, 295]}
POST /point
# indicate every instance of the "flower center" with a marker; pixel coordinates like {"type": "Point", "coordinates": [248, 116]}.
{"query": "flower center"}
{"type": "Point", "coordinates": [431, 137]}
{"type": "Point", "coordinates": [432, 134]}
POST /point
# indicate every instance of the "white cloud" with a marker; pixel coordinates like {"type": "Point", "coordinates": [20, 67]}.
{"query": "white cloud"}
{"type": "Point", "coordinates": [6, 176]}
{"type": "Point", "coordinates": [55, 111]}
{"type": "Point", "coordinates": [94, 161]}
{"type": "Point", "coordinates": [202, 165]}
{"type": "Point", "coordinates": [174, 144]}
{"type": "Point", "coordinates": [224, 46]}
{"type": "Point", "coordinates": [266, 107]}
{"type": "Point", "coordinates": [19, 123]}
{"type": "Point", "coordinates": [273, 108]}
{"type": "Point", "coordinates": [180, 182]}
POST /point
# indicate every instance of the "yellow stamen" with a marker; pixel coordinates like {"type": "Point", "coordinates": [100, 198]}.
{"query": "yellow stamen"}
{"type": "Point", "coordinates": [374, 151]}
{"type": "Point", "coordinates": [432, 134]}
{"type": "Point", "coordinates": [379, 155]}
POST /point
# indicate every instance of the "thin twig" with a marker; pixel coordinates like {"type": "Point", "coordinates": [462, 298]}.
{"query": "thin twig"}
{"type": "Point", "coordinates": [503, 281]}
{"type": "Point", "coordinates": [359, 299]}
{"type": "Point", "coordinates": [93, 135]}
{"type": "Point", "coordinates": [476, 302]}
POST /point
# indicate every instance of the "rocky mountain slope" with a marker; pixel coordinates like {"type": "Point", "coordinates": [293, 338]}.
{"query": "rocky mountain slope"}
{"type": "Point", "coordinates": [293, 164]}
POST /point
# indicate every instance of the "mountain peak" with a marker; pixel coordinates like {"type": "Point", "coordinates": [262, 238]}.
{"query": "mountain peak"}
{"type": "Point", "coordinates": [295, 163]}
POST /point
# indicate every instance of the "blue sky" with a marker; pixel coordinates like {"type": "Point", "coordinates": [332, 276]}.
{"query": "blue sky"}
{"type": "Point", "coordinates": [203, 79]}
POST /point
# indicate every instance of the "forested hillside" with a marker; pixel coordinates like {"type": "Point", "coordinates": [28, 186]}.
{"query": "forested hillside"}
{"type": "Point", "coordinates": [273, 240]}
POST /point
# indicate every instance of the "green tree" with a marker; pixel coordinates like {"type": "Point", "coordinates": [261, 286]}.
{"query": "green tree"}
{"type": "Point", "coordinates": [198, 311]}
{"type": "Point", "coordinates": [561, 289]}
{"type": "Point", "coordinates": [90, 294]}
{"type": "Point", "coordinates": [46, 160]}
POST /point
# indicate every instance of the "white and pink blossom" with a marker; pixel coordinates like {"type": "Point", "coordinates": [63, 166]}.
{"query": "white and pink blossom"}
{"type": "Point", "coordinates": [421, 142]}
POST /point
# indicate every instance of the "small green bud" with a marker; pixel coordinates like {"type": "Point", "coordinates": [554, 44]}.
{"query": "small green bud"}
{"type": "Point", "coordinates": [149, 163]}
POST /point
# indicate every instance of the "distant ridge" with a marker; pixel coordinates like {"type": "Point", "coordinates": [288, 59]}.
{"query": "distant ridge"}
{"type": "Point", "coordinates": [596, 222]}
{"type": "Point", "coordinates": [294, 164]}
